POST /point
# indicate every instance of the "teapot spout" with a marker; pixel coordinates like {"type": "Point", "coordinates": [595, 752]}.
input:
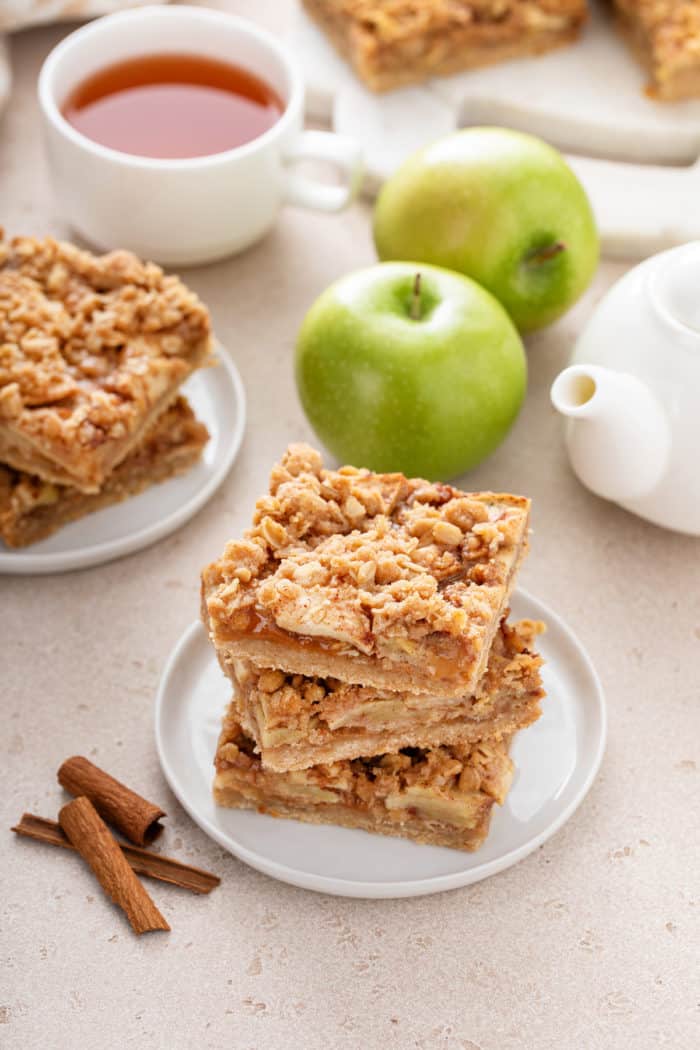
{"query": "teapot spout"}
{"type": "Point", "coordinates": [618, 436]}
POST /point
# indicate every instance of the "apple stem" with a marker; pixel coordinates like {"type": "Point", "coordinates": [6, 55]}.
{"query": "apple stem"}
{"type": "Point", "coordinates": [415, 300]}
{"type": "Point", "coordinates": [550, 251]}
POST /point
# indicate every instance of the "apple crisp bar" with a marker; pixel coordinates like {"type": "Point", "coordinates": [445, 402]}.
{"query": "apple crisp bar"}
{"type": "Point", "coordinates": [92, 350]}
{"type": "Point", "coordinates": [666, 36]}
{"type": "Point", "coordinates": [32, 509]}
{"type": "Point", "coordinates": [373, 579]}
{"type": "Point", "coordinates": [442, 796]}
{"type": "Point", "coordinates": [390, 43]}
{"type": "Point", "coordinates": [298, 722]}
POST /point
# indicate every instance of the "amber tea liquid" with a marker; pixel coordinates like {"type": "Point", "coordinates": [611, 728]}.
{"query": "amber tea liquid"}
{"type": "Point", "coordinates": [173, 106]}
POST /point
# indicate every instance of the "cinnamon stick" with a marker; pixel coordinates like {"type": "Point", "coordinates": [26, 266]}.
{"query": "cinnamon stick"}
{"type": "Point", "coordinates": [141, 862]}
{"type": "Point", "coordinates": [134, 816]}
{"type": "Point", "coordinates": [96, 844]}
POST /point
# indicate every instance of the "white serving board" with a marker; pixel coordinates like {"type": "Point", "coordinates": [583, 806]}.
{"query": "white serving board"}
{"type": "Point", "coordinates": [587, 99]}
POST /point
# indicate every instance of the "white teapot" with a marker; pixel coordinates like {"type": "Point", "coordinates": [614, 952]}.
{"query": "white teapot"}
{"type": "Point", "coordinates": [632, 392]}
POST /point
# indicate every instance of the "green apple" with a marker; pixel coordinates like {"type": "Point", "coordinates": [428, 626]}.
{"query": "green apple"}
{"type": "Point", "coordinates": [501, 207]}
{"type": "Point", "coordinates": [407, 367]}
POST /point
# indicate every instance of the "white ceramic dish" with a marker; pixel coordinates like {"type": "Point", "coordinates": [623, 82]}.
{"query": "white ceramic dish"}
{"type": "Point", "coordinates": [218, 399]}
{"type": "Point", "coordinates": [630, 394]}
{"type": "Point", "coordinates": [588, 98]}
{"type": "Point", "coordinates": [557, 760]}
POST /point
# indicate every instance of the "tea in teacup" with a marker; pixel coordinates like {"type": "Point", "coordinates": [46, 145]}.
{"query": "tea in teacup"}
{"type": "Point", "coordinates": [172, 106]}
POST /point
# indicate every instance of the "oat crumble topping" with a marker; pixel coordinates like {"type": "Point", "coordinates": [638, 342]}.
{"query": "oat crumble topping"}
{"type": "Point", "coordinates": [354, 557]}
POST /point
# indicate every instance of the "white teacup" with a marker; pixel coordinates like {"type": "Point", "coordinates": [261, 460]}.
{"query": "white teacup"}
{"type": "Point", "coordinates": [195, 210]}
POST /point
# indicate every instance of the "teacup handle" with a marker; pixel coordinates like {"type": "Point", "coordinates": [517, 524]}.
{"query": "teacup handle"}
{"type": "Point", "coordinates": [338, 150]}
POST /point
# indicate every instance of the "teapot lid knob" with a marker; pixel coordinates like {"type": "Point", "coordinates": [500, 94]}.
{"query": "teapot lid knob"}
{"type": "Point", "coordinates": [675, 287]}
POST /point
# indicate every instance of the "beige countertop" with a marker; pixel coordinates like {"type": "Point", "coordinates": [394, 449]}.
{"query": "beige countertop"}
{"type": "Point", "coordinates": [592, 943]}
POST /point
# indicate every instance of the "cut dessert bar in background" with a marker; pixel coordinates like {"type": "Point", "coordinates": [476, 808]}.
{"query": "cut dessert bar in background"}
{"type": "Point", "coordinates": [373, 579]}
{"type": "Point", "coordinates": [298, 722]}
{"type": "Point", "coordinates": [92, 350]}
{"type": "Point", "coordinates": [441, 796]}
{"type": "Point", "coordinates": [32, 509]}
{"type": "Point", "coordinates": [665, 34]}
{"type": "Point", "coordinates": [390, 43]}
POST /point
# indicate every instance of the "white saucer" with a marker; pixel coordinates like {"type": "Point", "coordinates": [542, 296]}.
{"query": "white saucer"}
{"type": "Point", "coordinates": [218, 400]}
{"type": "Point", "coordinates": [557, 760]}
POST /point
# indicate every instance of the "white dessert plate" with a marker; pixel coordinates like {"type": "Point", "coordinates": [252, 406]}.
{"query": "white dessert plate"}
{"type": "Point", "coordinates": [218, 400]}
{"type": "Point", "coordinates": [557, 760]}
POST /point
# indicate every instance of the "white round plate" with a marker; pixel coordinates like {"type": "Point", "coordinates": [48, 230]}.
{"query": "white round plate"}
{"type": "Point", "coordinates": [556, 759]}
{"type": "Point", "coordinates": [218, 399]}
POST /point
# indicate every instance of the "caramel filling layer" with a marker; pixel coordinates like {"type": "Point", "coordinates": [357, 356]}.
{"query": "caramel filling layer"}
{"type": "Point", "coordinates": [407, 650]}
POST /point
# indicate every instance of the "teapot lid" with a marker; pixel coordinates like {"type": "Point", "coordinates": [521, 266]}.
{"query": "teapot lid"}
{"type": "Point", "coordinates": [674, 287]}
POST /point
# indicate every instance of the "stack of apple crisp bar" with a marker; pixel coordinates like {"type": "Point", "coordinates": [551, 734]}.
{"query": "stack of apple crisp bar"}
{"type": "Point", "coordinates": [377, 684]}
{"type": "Point", "coordinates": [93, 352]}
